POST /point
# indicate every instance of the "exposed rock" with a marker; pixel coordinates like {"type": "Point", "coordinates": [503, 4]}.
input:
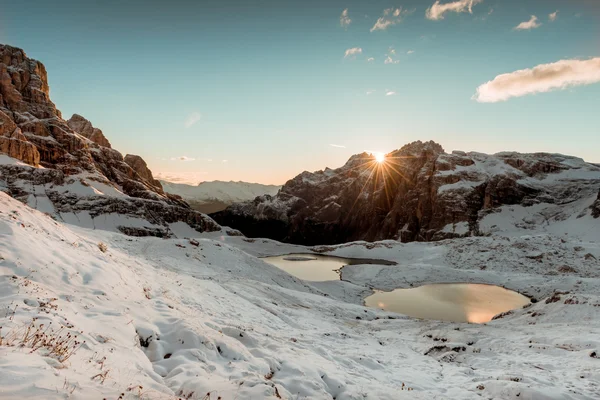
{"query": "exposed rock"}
{"type": "Point", "coordinates": [14, 143]}
{"type": "Point", "coordinates": [24, 84]}
{"type": "Point", "coordinates": [82, 174]}
{"type": "Point", "coordinates": [85, 128]}
{"type": "Point", "coordinates": [596, 207]}
{"type": "Point", "coordinates": [419, 193]}
{"type": "Point", "coordinates": [140, 167]}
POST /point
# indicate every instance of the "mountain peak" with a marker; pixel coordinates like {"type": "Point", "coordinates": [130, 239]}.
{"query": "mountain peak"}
{"type": "Point", "coordinates": [78, 160]}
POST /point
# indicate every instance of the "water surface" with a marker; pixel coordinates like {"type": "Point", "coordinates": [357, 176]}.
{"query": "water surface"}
{"type": "Point", "coordinates": [317, 267]}
{"type": "Point", "coordinates": [457, 302]}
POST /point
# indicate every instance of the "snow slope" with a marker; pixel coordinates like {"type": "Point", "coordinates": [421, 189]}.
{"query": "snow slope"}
{"type": "Point", "coordinates": [164, 318]}
{"type": "Point", "coordinates": [217, 195]}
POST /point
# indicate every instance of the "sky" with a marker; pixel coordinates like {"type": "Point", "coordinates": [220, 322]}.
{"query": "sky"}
{"type": "Point", "coordinates": [260, 91]}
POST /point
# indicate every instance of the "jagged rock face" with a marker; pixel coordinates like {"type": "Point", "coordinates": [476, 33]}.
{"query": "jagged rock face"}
{"type": "Point", "coordinates": [419, 193]}
{"type": "Point", "coordinates": [85, 128]}
{"type": "Point", "coordinates": [14, 143]}
{"type": "Point", "coordinates": [82, 173]}
{"type": "Point", "coordinates": [140, 167]}
{"type": "Point", "coordinates": [24, 84]}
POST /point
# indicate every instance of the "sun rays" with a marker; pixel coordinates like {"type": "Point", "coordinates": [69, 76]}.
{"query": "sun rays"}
{"type": "Point", "coordinates": [383, 171]}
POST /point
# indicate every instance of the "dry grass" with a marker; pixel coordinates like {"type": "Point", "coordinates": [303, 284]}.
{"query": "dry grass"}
{"type": "Point", "coordinates": [58, 344]}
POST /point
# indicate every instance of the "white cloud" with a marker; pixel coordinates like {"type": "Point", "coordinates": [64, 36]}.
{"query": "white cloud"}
{"type": "Point", "coordinates": [338, 145]}
{"type": "Point", "coordinates": [225, 161]}
{"type": "Point", "coordinates": [370, 91]}
{"type": "Point", "coordinates": [390, 57]}
{"type": "Point", "coordinates": [540, 79]}
{"type": "Point", "coordinates": [192, 119]}
{"type": "Point", "coordinates": [531, 24]}
{"type": "Point", "coordinates": [410, 52]}
{"type": "Point", "coordinates": [437, 10]}
{"type": "Point", "coordinates": [390, 93]}
{"type": "Point", "coordinates": [352, 52]}
{"type": "Point", "coordinates": [182, 158]}
{"type": "Point", "coordinates": [552, 17]}
{"type": "Point", "coordinates": [391, 16]}
{"type": "Point", "coordinates": [370, 59]}
{"type": "Point", "coordinates": [345, 19]}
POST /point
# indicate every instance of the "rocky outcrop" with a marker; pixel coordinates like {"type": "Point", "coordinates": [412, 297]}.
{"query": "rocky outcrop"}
{"type": "Point", "coordinates": [14, 143]}
{"type": "Point", "coordinates": [140, 167]}
{"type": "Point", "coordinates": [82, 174]}
{"type": "Point", "coordinates": [596, 207]}
{"type": "Point", "coordinates": [419, 193]}
{"type": "Point", "coordinates": [85, 128]}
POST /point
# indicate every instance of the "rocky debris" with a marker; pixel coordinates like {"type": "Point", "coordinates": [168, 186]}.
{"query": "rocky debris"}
{"type": "Point", "coordinates": [74, 154]}
{"type": "Point", "coordinates": [419, 193]}
{"type": "Point", "coordinates": [85, 128]}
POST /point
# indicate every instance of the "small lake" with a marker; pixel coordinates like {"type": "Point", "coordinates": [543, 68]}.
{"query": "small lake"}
{"type": "Point", "coordinates": [317, 267]}
{"type": "Point", "coordinates": [456, 302]}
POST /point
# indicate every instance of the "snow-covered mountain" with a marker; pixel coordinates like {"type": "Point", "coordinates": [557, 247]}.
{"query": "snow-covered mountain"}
{"type": "Point", "coordinates": [418, 193]}
{"type": "Point", "coordinates": [188, 311]}
{"type": "Point", "coordinates": [209, 197]}
{"type": "Point", "coordinates": [68, 168]}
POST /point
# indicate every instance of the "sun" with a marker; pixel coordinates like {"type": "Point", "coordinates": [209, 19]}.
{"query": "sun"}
{"type": "Point", "coordinates": [379, 157]}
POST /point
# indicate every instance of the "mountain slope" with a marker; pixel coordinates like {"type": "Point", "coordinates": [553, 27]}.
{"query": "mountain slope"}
{"type": "Point", "coordinates": [165, 319]}
{"type": "Point", "coordinates": [69, 169]}
{"type": "Point", "coordinates": [209, 197]}
{"type": "Point", "coordinates": [418, 193]}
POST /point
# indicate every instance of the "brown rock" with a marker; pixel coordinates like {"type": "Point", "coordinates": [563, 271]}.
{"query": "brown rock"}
{"type": "Point", "coordinates": [15, 144]}
{"type": "Point", "coordinates": [33, 131]}
{"type": "Point", "coordinates": [85, 128]}
{"type": "Point", "coordinates": [140, 167]}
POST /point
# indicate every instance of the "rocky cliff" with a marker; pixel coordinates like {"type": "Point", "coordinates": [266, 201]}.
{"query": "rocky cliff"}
{"type": "Point", "coordinates": [68, 168]}
{"type": "Point", "coordinates": [419, 193]}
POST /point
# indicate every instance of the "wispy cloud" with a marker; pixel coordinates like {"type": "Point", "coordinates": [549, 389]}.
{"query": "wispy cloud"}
{"type": "Point", "coordinates": [224, 161]}
{"type": "Point", "coordinates": [345, 20]}
{"type": "Point", "coordinates": [370, 59]}
{"type": "Point", "coordinates": [410, 52]}
{"type": "Point", "coordinates": [391, 16]}
{"type": "Point", "coordinates": [437, 10]}
{"type": "Point", "coordinates": [527, 25]}
{"type": "Point", "coordinates": [352, 52]}
{"type": "Point", "coordinates": [390, 93]}
{"type": "Point", "coordinates": [371, 91]}
{"type": "Point", "coordinates": [552, 17]}
{"type": "Point", "coordinates": [182, 158]}
{"type": "Point", "coordinates": [390, 60]}
{"type": "Point", "coordinates": [192, 119]}
{"type": "Point", "coordinates": [338, 146]}
{"type": "Point", "coordinates": [390, 57]}
{"type": "Point", "coordinates": [540, 79]}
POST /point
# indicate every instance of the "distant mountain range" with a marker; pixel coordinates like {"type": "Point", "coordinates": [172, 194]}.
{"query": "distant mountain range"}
{"type": "Point", "coordinates": [210, 197]}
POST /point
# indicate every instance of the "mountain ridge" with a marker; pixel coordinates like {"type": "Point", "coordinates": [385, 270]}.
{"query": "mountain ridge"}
{"type": "Point", "coordinates": [420, 193]}
{"type": "Point", "coordinates": [69, 168]}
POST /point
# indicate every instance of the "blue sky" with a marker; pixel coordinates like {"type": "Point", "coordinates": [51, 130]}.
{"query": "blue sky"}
{"type": "Point", "coordinates": [266, 85]}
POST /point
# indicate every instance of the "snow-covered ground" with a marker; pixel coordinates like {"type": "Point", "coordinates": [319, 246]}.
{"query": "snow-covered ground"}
{"type": "Point", "coordinates": [164, 318]}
